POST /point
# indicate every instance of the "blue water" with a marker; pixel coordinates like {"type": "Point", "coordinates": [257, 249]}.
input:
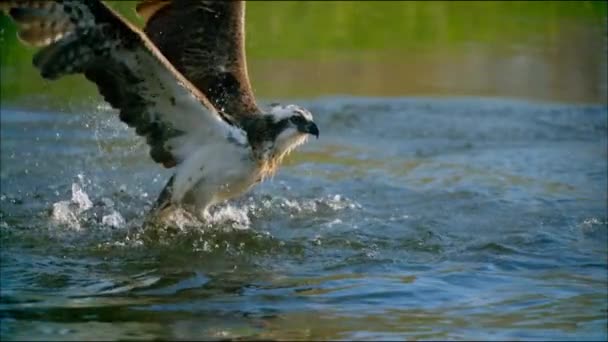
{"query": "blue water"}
{"type": "Point", "coordinates": [410, 218]}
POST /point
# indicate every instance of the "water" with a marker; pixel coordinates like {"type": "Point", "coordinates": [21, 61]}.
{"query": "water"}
{"type": "Point", "coordinates": [410, 218]}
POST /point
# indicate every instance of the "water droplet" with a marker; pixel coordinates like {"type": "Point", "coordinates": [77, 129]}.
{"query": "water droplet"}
{"type": "Point", "coordinates": [80, 198]}
{"type": "Point", "coordinates": [114, 220]}
{"type": "Point", "coordinates": [63, 214]}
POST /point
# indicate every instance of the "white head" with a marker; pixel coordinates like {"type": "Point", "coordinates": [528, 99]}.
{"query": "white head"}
{"type": "Point", "coordinates": [293, 125]}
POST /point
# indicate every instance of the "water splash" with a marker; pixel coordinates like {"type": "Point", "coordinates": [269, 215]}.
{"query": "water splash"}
{"type": "Point", "coordinates": [120, 218]}
{"type": "Point", "coordinates": [80, 198]}
{"type": "Point", "coordinates": [67, 212]}
{"type": "Point", "coordinates": [223, 217]}
{"type": "Point", "coordinates": [63, 213]}
{"type": "Point", "coordinates": [233, 216]}
{"type": "Point", "coordinates": [233, 227]}
{"type": "Point", "coordinates": [180, 219]}
{"type": "Point", "coordinates": [238, 214]}
{"type": "Point", "coordinates": [325, 205]}
{"type": "Point", "coordinates": [114, 220]}
{"type": "Point", "coordinates": [80, 209]}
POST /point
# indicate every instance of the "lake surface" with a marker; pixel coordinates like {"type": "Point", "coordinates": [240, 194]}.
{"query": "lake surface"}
{"type": "Point", "coordinates": [410, 218]}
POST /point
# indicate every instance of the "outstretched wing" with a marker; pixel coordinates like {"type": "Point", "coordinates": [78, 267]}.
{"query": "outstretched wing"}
{"type": "Point", "coordinates": [205, 41]}
{"type": "Point", "coordinates": [86, 36]}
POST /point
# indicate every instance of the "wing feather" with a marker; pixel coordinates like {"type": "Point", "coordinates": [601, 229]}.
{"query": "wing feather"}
{"type": "Point", "coordinates": [131, 74]}
{"type": "Point", "coordinates": [205, 40]}
{"type": "Point", "coordinates": [147, 8]}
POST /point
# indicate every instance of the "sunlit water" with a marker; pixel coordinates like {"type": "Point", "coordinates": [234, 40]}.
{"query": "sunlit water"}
{"type": "Point", "coordinates": [408, 219]}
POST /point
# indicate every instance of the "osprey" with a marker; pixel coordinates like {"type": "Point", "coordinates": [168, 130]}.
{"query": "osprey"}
{"type": "Point", "coordinates": [182, 85]}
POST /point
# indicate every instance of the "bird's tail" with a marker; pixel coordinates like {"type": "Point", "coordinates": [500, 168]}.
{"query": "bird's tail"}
{"type": "Point", "coordinates": [72, 32]}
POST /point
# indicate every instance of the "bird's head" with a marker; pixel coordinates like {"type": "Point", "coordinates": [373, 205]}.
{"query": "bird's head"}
{"type": "Point", "coordinates": [293, 125]}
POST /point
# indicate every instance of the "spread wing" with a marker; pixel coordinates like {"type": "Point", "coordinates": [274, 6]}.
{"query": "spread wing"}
{"type": "Point", "coordinates": [205, 41]}
{"type": "Point", "coordinates": [87, 37]}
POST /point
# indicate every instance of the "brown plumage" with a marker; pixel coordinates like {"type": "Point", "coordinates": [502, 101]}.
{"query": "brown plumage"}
{"type": "Point", "coordinates": [205, 41]}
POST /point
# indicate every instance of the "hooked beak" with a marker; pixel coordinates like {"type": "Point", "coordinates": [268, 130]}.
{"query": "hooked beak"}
{"type": "Point", "coordinates": [310, 128]}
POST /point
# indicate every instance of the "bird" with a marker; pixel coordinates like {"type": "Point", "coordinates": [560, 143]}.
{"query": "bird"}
{"type": "Point", "coordinates": [181, 83]}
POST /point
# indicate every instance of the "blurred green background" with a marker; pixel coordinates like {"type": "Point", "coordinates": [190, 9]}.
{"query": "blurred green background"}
{"type": "Point", "coordinates": [539, 50]}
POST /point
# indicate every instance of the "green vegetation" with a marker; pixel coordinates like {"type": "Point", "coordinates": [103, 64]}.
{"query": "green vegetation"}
{"type": "Point", "coordinates": [369, 32]}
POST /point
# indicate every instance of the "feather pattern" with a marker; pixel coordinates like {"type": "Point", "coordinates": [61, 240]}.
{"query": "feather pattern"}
{"type": "Point", "coordinates": [85, 36]}
{"type": "Point", "coordinates": [205, 40]}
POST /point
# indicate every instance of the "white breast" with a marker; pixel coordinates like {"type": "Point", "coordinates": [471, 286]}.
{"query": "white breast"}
{"type": "Point", "coordinates": [213, 173]}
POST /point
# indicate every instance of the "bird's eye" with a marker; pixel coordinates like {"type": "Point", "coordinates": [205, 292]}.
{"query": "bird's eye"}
{"type": "Point", "coordinates": [298, 120]}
